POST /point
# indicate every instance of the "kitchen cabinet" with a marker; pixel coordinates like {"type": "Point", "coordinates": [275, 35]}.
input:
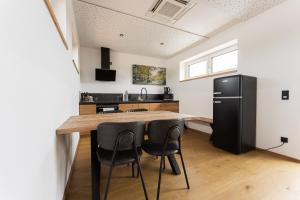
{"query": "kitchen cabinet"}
{"type": "Point", "coordinates": [154, 106]}
{"type": "Point", "coordinates": [87, 109]}
{"type": "Point", "coordinates": [173, 107]}
{"type": "Point", "coordinates": [144, 106]}
{"type": "Point", "coordinates": [127, 106]}
{"type": "Point", "coordinates": [170, 106]}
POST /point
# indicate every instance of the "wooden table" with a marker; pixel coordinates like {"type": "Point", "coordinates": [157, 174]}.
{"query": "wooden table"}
{"type": "Point", "coordinates": [89, 123]}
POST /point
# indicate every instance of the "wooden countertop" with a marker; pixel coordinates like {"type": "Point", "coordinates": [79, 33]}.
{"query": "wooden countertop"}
{"type": "Point", "coordinates": [202, 119]}
{"type": "Point", "coordinates": [87, 123]}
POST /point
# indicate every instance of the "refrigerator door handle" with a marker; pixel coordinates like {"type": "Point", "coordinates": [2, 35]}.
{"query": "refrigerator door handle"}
{"type": "Point", "coordinates": [218, 102]}
{"type": "Point", "coordinates": [239, 97]}
{"type": "Point", "coordinates": [217, 93]}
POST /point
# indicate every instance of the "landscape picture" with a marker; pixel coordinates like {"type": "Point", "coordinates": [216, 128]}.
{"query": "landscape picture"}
{"type": "Point", "coordinates": [148, 75]}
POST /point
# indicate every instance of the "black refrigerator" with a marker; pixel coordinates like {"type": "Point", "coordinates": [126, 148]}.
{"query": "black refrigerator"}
{"type": "Point", "coordinates": [234, 113]}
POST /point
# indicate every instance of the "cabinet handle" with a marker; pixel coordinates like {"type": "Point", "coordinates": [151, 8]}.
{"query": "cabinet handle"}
{"type": "Point", "coordinates": [217, 102]}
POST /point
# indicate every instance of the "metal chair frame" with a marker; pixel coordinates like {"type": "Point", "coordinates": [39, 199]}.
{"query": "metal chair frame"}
{"type": "Point", "coordinates": [162, 160]}
{"type": "Point", "coordinates": [137, 161]}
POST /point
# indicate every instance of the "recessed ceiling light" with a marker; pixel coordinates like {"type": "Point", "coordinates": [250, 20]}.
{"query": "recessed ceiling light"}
{"type": "Point", "coordinates": [122, 35]}
{"type": "Point", "coordinates": [162, 43]}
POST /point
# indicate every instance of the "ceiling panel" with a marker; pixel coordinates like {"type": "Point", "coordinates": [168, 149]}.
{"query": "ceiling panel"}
{"type": "Point", "coordinates": [204, 19]}
{"type": "Point", "coordinates": [101, 27]}
{"type": "Point", "coordinates": [101, 21]}
{"type": "Point", "coordinates": [242, 9]}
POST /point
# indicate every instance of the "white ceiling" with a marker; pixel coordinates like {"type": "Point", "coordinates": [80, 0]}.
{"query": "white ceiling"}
{"type": "Point", "coordinates": [100, 25]}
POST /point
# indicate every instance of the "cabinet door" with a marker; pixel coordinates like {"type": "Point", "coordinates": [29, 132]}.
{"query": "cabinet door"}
{"type": "Point", "coordinates": [173, 107]}
{"type": "Point", "coordinates": [128, 106]}
{"type": "Point", "coordinates": [154, 106]}
{"type": "Point", "coordinates": [87, 109]}
{"type": "Point", "coordinates": [144, 106]}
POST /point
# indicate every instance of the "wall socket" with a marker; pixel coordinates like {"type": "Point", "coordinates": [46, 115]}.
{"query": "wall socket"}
{"type": "Point", "coordinates": [284, 139]}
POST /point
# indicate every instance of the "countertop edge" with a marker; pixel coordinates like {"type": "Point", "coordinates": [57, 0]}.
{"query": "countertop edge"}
{"type": "Point", "coordinates": [129, 102]}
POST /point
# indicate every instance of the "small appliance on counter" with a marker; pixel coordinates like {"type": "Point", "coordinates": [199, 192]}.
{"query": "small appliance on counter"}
{"type": "Point", "coordinates": [167, 94]}
{"type": "Point", "coordinates": [85, 97]}
{"type": "Point", "coordinates": [125, 98]}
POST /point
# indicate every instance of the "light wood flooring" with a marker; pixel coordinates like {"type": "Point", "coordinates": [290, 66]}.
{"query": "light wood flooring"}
{"type": "Point", "coordinates": [214, 175]}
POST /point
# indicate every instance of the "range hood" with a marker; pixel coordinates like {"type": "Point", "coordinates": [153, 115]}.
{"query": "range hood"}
{"type": "Point", "coordinates": [105, 73]}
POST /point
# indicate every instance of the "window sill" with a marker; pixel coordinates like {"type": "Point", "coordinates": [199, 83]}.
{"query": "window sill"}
{"type": "Point", "coordinates": [210, 75]}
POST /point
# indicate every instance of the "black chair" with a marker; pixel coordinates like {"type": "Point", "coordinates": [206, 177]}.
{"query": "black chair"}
{"type": "Point", "coordinates": [165, 140]}
{"type": "Point", "coordinates": [119, 144]}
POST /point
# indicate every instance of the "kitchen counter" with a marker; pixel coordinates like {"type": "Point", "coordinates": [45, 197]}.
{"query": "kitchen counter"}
{"type": "Point", "coordinates": [129, 102]}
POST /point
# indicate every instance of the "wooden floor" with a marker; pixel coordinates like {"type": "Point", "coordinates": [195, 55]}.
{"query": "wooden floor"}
{"type": "Point", "coordinates": [213, 174]}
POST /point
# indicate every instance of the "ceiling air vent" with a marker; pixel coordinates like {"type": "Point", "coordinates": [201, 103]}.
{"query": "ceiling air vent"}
{"type": "Point", "coordinates": [170, 10]}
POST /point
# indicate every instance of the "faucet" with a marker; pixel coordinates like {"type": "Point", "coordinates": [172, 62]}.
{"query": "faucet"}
{"type": "Point", "coordinates": [142, 94]}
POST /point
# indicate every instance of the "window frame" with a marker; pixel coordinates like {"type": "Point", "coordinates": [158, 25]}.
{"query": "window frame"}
{"type": "Point", "coordinates": [188, 64]}
{"type": "Point", "coordinates": [220, 53]}
{"type": "Point", "coordinates": [209, 58]}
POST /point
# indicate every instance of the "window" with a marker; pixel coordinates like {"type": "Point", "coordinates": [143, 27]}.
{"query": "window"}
{"type": "Point", "coordinates": [222, 59]}
{"type": "Point", "coordinates": [197, 69]}
{"type": "Point", "coordinates": [225, 61]}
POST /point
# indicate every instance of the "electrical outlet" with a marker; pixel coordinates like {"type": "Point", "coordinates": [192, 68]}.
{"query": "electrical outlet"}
{"type": "Point", "coordinates": [284, 139]}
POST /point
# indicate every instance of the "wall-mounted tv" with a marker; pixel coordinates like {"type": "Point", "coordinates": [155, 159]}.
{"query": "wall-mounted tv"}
{"type": "Point", "coordinates": [105, 75]}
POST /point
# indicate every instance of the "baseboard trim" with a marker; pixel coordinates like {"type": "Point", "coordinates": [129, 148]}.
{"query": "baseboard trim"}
{"type": "Point", "coordinates": [68, 185]}
{"type": "Point", "coordinates": [279, 155]}
{"type": "Point", "coordinates": [259, 149]}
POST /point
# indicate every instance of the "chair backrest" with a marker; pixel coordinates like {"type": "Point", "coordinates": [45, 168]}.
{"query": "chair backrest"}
{"type": "Point", "coordinates": [122, 134]}
{"type": "Point", "coordinates": [162, 131]}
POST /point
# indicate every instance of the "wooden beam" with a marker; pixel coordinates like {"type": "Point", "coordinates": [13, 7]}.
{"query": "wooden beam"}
{"type": "Point", "coordinates": [53, 16]}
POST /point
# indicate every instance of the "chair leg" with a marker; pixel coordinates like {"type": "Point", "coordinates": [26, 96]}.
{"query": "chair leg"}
{"type": "Point", "coordinates": [185, 174]}
{"type": "Point", "coordinates": [132, 169]}
{"type": "Point", "coordinates": [138, 170]}
{"type": "Point", "coordinates": [108, 181]}
{"type": "Point", "coordinates": [159, 178]}
{"type": "Point", "coordinates": [142, 178]}
{"type": "Point", "coordinates": [138, 173]}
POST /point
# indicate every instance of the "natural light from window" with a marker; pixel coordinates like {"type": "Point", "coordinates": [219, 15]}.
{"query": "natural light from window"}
{"type": "Point", "coordinates": [219, 60]}
{"type": "Point", "coordinates": [225, 62]}
{"type": "Point", "coordinates": [197, 69]}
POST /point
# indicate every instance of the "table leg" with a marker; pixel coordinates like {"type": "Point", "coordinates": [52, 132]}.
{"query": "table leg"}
{"type": "Point", "coordinates": [95, 167]}
{"type": "Point", "coordinates": [174, 165]}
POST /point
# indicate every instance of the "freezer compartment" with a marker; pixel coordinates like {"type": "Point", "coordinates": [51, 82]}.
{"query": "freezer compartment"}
{"type": "Point", "coordinates": [227, 86]}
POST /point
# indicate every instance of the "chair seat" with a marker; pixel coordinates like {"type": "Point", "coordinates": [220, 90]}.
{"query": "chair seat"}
{"type": "Point", "coordinates": [157, 149]}
{"type": "Point", "coordinates": [122, 157]}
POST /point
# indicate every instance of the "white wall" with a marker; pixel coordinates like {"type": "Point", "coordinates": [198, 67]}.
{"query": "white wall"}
{"type": "Point", "coordinates": [90, 58]}
{"type": "Point", "coordinates": [39, 91]}
{"type": "Point", "coordinates": [269, 47]}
